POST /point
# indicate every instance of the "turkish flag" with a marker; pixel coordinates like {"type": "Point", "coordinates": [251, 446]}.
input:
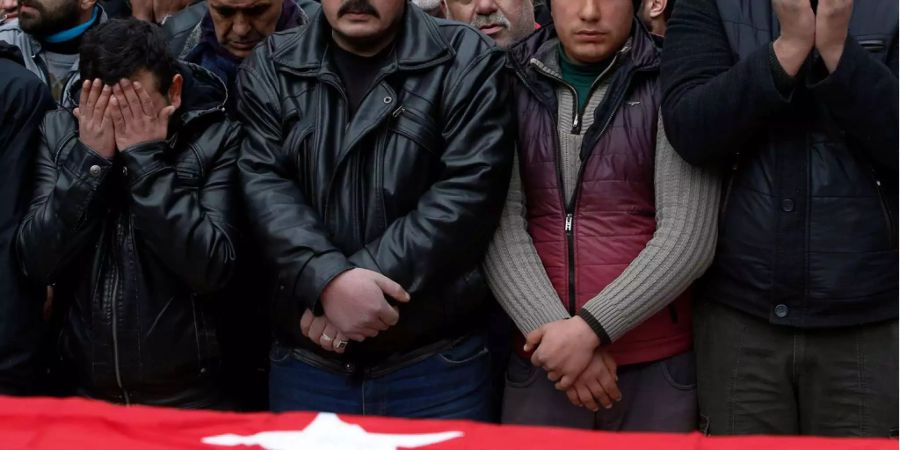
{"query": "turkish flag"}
{"type": "Point", "coordinates": [42, 423]}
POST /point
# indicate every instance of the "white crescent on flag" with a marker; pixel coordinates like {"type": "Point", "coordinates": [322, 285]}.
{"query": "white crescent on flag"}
{"type": "Point", "coordinates": [328, 432]}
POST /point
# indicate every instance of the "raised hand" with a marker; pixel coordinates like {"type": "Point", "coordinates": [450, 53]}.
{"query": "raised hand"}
{"type": "Point", "coordinates": [136, 117]}
{"type": "Point", "coordinates": [355, 303]}
{"type": "Point", "coordinates": [563, 348]}
{"type": "Point", "coordinates": [95, 127]}
{"type": "Point", "coordinates": [798, 33]}
{"type": "Point", "coordinates": [319, 330]}
{"type": "Point", "coordinates": [597, 384]}
{"type": "Point", "coordinates": [832, 23]}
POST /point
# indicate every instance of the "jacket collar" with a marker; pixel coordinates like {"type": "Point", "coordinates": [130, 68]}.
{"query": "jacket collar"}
{"type": "Point", "coordinates": [36, 44]}
{"type": "Point", "coordinates": [419, 44]}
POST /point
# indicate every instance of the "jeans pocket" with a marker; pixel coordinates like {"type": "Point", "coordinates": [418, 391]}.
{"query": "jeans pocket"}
{"type": "Point", "coordinates": [465, 352]}
{"type": "Point", "coordinates": [680, 371]}
{"type": "Point", "coordinates": [279, 354]}
{"type": "Point", "coordinates": [520, 374]}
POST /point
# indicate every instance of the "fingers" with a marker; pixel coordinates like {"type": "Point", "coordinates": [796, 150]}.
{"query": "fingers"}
{"type": "Point", "coordinates": [537, 359]}
{"type": "Point", "coordinates": [328, 338]}
{"type": "Point", "coordinates": [116, 114]}
{"type": "Point", "coordinates": [340, 348]}
{"type": "Point", "coordinates": [305, 322]}
{"type": "Point", "coordinates": [553, 376]}
{"type": "Point", "coordinates": [316, 328]}
{"type": "Point", "coordinates": [389, 315]}
{"type": "Point", "coordinates": [533, 339]}
{"type": "Point", "coordinates": [565, 382]}
{"type": "Point", "coordinates": [144, 98]}
{"type": "Point", "coordinates": [93, 95]}
{"type": "Point", "coordinates": [599, 394]}
{"type": "Point", "coordinates": [122, 103]}
{"type": "Point", "coordinates": [99, 103]}
{"type": "Point", "coordinates": [134, 102]}
{"type": "Point", "coordinates": [573, 397]}
{"type": "Point", "coordinates": [586, 397]}
{"type": "Point", "coordinates": [610, 365]}
{"type": "Point", "coordinates": [391, 288]}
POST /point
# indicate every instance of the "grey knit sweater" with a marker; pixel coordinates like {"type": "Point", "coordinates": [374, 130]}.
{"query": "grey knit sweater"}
{"type": "Point", "coordinates": [680, 251]}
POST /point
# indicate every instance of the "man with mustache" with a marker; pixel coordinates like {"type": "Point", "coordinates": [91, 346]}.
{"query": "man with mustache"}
{"type": "Point", "coordinates": [9, 10]}
{"type": "Point", "coordinates": [504, 21]}
{"type": "Point", "coordinates": [374, 167]}
{"type": "Point", "coordinates": [48, 34]}
{"type": "Point", "coordinates": [227, 33]}
{"type": "Point", "coordinates": [605, 227]}
{"type": "Point", "coordinates": [797, 316]}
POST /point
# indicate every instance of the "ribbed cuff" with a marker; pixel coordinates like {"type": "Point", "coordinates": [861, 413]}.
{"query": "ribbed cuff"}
{"type": "Point", "coordinates": [595, 325]}
{"type": "Point", "coordinates": [783, 82]}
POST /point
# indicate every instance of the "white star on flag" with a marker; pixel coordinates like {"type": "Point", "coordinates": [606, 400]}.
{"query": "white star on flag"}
{"type": "Point", "coordinates": [327, 431]}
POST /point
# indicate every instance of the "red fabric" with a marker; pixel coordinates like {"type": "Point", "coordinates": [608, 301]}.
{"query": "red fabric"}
{"type": "Point", "coordinates": [38, 424]}
{"type": "Point", "coordinates": [614, 216]}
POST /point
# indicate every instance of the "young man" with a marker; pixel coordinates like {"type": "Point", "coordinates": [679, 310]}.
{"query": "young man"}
{"type": "Point", "coordinates": [604, 229]}
{"type": "Point", "coordinates": [21, 324]}
{"type": "Point", "coordinates": [375, 165]}
{"type": "Point", "coordinates": [504, 21]}
{"type": "Point", "coordinates": [48, 33]}
{"type": "Point", "coordinates": [797, 320]}
{"type": "Point", "coordinates": [132, 221]}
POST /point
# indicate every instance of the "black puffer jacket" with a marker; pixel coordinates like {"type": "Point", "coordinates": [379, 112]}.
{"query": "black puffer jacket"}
{"type": "Point", "coordinates": [134, 246]}
{"type": "Point", "coordinates": [809, 225]}
{"type": "Point", "coordinates": [411, 187]}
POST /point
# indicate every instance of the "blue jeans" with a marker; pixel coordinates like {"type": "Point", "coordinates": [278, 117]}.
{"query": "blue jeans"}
{"type": "Point", "coordinates": [453, 384]}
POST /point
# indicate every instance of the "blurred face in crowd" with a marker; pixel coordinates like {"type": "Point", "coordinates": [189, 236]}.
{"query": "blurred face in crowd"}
{"type": "Point", "coordinates": [8, 9]}
{"type": "Point", "coordinates": [241, 24]}
{"type": "Point", "coordinates": [364, 27]}
{"type": "Point", "coordinates": [592, 30]}
{"type": "Point", "coordinates": [432, 7]}
{"type": "Point", "coordinates": [43, 17]}
{"type": "Point", "coordinates": [505, 21]}
{"type": "Point", "coordinates": [653, 15]}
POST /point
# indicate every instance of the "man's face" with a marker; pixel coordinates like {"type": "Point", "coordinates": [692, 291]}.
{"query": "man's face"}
{"type": "Point", "coordinates": [592, 30]}
{"type": "Point", "coordinates": [44, 17]}
{"type": "Point", "coordinates": [8, 10]}
{"type": "Point", "coordinates": [505, 21]}
{"type": "Point", "coordinates": [362, 21]}
{"type": "Point", "coordinates": [241, 24]}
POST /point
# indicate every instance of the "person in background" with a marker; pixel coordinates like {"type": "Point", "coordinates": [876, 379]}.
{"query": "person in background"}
{"type": "Point", "coordinates": [605, 228]}
{"type": "Point", "coordinates": [655, 14]}
{"type": "Point", "coordinates": [375, 165]}
{"type": "Point", "coordinates": [504, 21]}
{"type": "Point", "coordinates": [434, 8]}
{"type": "Point", "coordinates": [796, 320]}
{"type": "Point", "coordinates": [21, 323]}
{"type": "Point", "coordinates": [133, 221]}
{"type": "Point", "coordinates": [48, 34]}
{"type": "Point", "coordinates": [9, 10]}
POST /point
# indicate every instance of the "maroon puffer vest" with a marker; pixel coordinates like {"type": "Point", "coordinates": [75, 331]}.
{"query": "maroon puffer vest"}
{"type": "Point", "coordinates": [584, 248]}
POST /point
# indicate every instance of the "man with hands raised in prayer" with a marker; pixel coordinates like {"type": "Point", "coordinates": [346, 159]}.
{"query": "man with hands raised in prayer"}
{"type": "Point", "coordinates": [132, 221]}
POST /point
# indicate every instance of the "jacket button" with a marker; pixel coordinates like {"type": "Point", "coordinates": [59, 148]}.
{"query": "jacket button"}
{"type": "Point", "coordinates": [787, 205]}
{"type": "Point", "coordinates": [349, 367]}
{"type": "Point", "coordinates": [95, 170]}
{"type": "Point", "coordinates": [781, 311]}
{"type": "Point", "coordinates": [388, 100]}
{"type": "Point", "coordinates": [125, 171]}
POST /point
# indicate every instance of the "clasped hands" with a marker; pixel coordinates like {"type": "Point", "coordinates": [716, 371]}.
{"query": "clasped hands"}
{"type": "Point", "coordinates": [803, 29]}
{"type": "Point", "coordinates": [356, 308]}
{"type": "Point", "coordinates": [120, 116]}
{"type": "Point", "coordinates": [569, 351]}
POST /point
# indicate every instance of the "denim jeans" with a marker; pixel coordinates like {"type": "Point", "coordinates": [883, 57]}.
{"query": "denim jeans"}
{"type": "Point", "coordinates": [452, 384]}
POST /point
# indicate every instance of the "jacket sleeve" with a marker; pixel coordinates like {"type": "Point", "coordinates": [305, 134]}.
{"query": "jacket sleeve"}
{"type": "Point", "coordinates": [289, 229]}
{"type": "Point", "coordinates": [67, 205]}
{"type": "Point", "coordinates": [454, 220]}
{"type": "Point", "coordinates": [712, 104]}
{"type": "Point", "coordinates": [192, 231]}
{"type": "Point", "coordinates": [860, 95]}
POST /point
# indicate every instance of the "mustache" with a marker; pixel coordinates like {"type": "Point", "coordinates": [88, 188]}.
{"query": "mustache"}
{"type": "Point", "coordinates": [358, 7]}
{"type": "Point", "coordinates": [496, 18]}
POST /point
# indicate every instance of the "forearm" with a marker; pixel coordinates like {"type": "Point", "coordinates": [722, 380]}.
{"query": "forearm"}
{"type": "Point", "coordinates": [680, 251]}
{"type": "Point", "coordinates": [514, 270]}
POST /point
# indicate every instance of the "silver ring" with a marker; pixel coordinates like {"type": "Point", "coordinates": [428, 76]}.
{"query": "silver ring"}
{"type": "Point", "coordinates": [341, 344]}
{"type": "Point", "coordinates": [327, 337]}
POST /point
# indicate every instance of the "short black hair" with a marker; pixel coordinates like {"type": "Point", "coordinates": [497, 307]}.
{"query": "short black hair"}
{"type": "Point", "coordinates": [120, 48]}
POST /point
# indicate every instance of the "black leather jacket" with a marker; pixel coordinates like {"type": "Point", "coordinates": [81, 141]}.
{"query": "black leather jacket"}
{"type": "Point", "coordinates": [134, 247]}
{"type": "Point", "coordinates": [411, 187]}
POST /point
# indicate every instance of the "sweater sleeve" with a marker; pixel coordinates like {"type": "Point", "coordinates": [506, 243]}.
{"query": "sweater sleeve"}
{"type": "Point", "coordinates": [514, 270]}
{"type": "Point", "coordinates": [681, 249]}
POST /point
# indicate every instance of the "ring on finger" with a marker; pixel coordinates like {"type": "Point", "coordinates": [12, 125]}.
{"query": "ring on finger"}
{"type": "Point", "coordinates": [327, 337]}
{"type": "Point", "coordinates": [341, 344]}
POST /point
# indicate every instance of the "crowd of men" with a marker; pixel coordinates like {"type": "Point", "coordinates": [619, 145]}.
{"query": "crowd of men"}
{"type": "Point", "coordinates": [602, 214]}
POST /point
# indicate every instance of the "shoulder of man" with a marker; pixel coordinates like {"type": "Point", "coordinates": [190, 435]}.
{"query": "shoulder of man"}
{"type": "Point", "coordinates": [466, 41]}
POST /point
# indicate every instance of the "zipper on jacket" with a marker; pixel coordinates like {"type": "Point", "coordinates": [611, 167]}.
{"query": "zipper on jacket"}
{"type": "Point", "coordinates": [570, 247]}
{"type": "Point", "coordinates": [889, 221]}
{"type": "Point", "coordinates": [113, 305]}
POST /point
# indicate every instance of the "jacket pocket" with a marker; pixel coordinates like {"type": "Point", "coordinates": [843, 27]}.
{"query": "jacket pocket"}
{"type": "Point", "coordinates": [885, 210]}
{"type": "Point", "coordinates": [417, 127]}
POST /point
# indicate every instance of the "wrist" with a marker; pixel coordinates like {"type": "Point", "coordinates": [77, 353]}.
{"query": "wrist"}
{"type": "Point", "coordinates": [792, 53]}
{"type": "Point", "coordinates": [586, 333]}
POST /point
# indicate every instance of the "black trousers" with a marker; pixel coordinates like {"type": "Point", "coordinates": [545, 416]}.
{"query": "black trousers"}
{"type": "Point", "coordinates": [758, 378]}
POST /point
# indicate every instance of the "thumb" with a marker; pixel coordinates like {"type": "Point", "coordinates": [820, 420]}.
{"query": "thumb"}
{"type": "Point", "coordinates": [533, 339]}
{"type": "Point", "coordinates": [167, 113]}
{"type": "Point", "coordinates": [77, 113]}
{"type": "Point", "coordinates": [391, 288]}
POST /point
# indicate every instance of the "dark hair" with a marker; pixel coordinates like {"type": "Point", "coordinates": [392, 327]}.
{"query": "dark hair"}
{"type": "Point", "coordinates": [120, 48]}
